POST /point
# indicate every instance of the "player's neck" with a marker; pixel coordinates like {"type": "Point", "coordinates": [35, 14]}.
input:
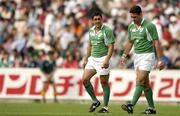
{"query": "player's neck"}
{"type": "Point", "coordinates": [97, 28]}
{"type": "Point", "coordinates": [139, 22]}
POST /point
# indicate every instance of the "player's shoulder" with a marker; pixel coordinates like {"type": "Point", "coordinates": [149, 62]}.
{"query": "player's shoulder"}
{"type": "Point", "coordinates": [91, 28]}
{"type": "Point", "coordinates": [106, 27]}
{"type": "Point", "coordinates": [131, 25]}
{"type": "Point", "coordinates": [148, 23]}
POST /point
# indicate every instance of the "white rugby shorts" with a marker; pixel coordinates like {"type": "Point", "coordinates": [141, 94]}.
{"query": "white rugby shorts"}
{"type": "Point", "coordinates": [145, 61]}
{"type": "Point", "coordinates": [96, 63]}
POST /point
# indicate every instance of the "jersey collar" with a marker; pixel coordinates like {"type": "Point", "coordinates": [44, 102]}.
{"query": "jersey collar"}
{"type": "Point", "coordinates": [101, 26]}
{"type": "Point", "coordinates": [141, 21]}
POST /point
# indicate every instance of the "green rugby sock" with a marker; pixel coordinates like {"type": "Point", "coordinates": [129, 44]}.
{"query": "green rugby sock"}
{"type": "Point", "coordinates": [89, 89]}
{"type": "Point", "coordinates": [137, 94]}
{"type": "Point", "coordinates": [149, 96]}
{"type": "Point", "coordinates": [106, 91]}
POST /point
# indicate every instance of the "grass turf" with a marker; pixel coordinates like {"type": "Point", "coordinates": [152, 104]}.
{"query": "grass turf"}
{"type": "Point", "coordinates": [77, 109]}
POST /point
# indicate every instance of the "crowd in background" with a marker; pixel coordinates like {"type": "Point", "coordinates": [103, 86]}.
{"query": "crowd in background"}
{"type": "Point", "coordinates": [31, 30]}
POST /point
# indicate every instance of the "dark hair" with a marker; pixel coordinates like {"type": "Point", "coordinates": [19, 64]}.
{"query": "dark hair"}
{"type": "Point", "coordinates": [96, 14]}
{"type": "Point", "coordinates": [136, 9]}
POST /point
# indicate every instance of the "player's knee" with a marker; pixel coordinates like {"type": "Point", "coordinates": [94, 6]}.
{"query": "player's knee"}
{"type": "Point", "coordinates": [140, 81]}
{"type": "Point", "coordinates": [103, 83]}
{"type": "Point", "coordinates": [85, 81]}
{"type": "Point", "coordinates": [147, 86]}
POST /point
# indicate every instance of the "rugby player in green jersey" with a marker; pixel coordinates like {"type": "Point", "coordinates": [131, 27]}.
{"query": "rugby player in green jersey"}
{"type": "Point", "coordinates": [143, 35]}
{"type": "Point", "coordinates": [97, 60]}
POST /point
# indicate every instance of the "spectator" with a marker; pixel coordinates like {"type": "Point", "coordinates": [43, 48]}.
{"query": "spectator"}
{"type": "Point", "coordinates": [70, 61]}
{"type": "Point", "coordinates": [63, 25]}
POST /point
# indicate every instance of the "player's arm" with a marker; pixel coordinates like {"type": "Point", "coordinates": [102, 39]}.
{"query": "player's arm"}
{"type": "Point", "coordinates": [108, 56]}
{"type": "Point", "coordinates": [128, 48]}
{"type": "Point", "coordinates": [128, 45]}
{"type": "Point", "coordinates": [159, 53]}
{"type": "Point", "coordinates": [158, 49]}
{"type": "Point", "coordinates": [153, 32]}
{"type": "Point", "coordinates": [110, 40]}
{"type": "Point", "coordinates": [88, 50]}
{"type": "Point", "coordinates": [87, 54]}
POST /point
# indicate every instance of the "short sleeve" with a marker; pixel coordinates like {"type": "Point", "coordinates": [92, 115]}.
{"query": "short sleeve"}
{"type": "Point", "coordinates": [110, 36]}
{"type": "Point", "coordinates": [153, 31]}
{"type": "Point", "coordinates": [89, 33]}
{"type": "Point", "coordinates": [129, 33]}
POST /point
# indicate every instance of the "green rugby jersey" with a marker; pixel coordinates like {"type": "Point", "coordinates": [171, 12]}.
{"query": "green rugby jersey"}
{"type": "Point", "coordinates": [100, 40]}
{"type": "Point", "coordinates": [143, 36]}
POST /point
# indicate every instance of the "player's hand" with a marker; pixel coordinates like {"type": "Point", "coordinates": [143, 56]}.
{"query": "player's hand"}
{"type": "Point", "coordinates": [160, 65]}
{"type": "Point", "coordinates": [123, 61]}
{"type": "Point", "coordinates": [105, 64]}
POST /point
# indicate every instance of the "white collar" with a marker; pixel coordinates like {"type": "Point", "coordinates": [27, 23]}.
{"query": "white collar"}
{"type": "Point", "coordinates": [101, 26]}
{"type": "Point", "coordinates": [141, 21]}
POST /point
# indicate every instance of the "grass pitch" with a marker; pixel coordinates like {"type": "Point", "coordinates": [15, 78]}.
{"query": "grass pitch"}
{"type": "Point", "coordinates": [77, 109]}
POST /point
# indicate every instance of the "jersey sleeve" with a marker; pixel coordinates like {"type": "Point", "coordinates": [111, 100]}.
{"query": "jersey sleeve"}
{"type": "Point", "coordinates": [109, 36]}
{"type": "Point", "coordinates": [151, 28]}
{"type": "Point", "coordinates": [89, 33]}
{"type": "Point", "coordinates": [129, 33]}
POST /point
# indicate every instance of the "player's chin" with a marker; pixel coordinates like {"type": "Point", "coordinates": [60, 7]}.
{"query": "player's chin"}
{"type": "Point", "coordinates": [104, 67]}
{"type": "Point", "coordinates": [98, 25]}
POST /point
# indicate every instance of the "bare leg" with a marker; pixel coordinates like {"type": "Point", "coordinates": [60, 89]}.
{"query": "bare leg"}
{"type": "Point", "coordinates": [43, 92]}
{"type": "Point", "coordinates": [55, 92]}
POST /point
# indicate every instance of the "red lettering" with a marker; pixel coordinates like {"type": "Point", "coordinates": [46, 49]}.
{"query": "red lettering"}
{"type": "Point", "coordinates": [126, 90]}
{"type": "Point", "coordinates": [96, 87]}
{"type": "Point", "coordinates": [18, 90]}
{"type": "Point", "coordinates": [1, 82]}
{"type": "Point", "coordinates": [169, 84]}
{"type": "Point", "coordinates": [81, 86]}
{"type": "Point", "coordinates": [33, 86]}
{"type": "Point", "coordinates": [152, 83]}
{"type": "Point", "coordinates": [177, 90]}
{"type": "Point", "coordinates": [66, 84]}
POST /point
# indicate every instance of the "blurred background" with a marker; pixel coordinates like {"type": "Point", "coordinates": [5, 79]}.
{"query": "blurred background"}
{"type": "Point", "coordinates": [32, 28]}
